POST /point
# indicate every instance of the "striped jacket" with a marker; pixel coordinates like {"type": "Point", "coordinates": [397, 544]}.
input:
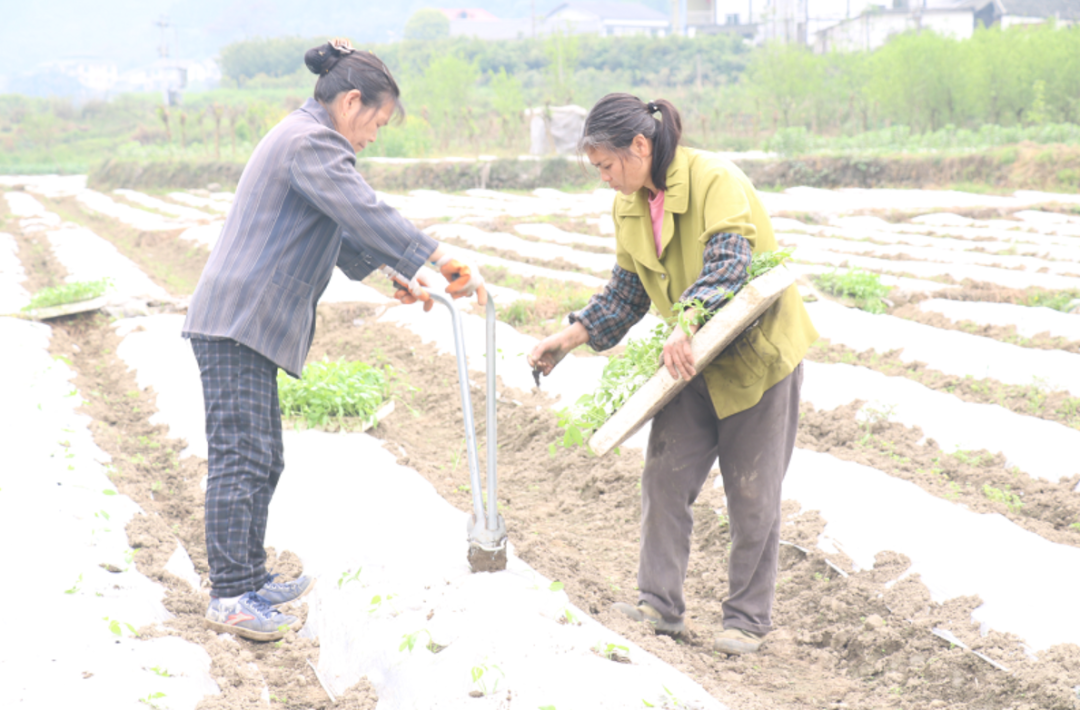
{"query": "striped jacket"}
{"type": "Point", "coordinates": [300, 208]}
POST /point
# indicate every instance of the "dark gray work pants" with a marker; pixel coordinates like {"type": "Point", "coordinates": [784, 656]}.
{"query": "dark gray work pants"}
{"type": "Point", "coordinates": [754, 448]}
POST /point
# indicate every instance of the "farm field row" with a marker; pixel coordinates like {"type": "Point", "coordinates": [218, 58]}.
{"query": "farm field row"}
{"type": "Point", "coordinates": [860, 593]}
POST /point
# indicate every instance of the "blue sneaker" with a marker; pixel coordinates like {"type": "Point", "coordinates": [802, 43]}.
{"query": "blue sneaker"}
{"type": "Point", "coordinates": [250, 616]}
{"type": "Point", "coordinates": [278, 593]}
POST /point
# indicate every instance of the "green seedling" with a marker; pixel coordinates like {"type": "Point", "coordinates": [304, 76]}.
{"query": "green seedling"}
{"type": "Point", "coordinates": [333, 391]}
{"type": "Point", "coordinates": [117, 627]}
{"type": "Point", "coordinates": [861, 286]}
{"type": "Point", "coordinates": [482, 671]}
{"type": "Point", "coordinates": [613, 652]}
{"type": "Point", "coordinates": [409, 642]}
{"type": "Point", "coordinates": [556, 586]}
{"type": "Point", "coordinates": [378, 600]}
{"type": "Point", "coordinates": [1075, 526]}
{"type": "Point", "coordinates": [163, 672]}
{"type": "Point", "coordinates": [74, 587]}
{"type": "Point", "coordinates": [347, 577]}
{"type": "Point", "coordinates": [722, 519]}
{"type": "Point", "coordinates": [109, 492]}
{"type": "Point", "coordinates": [568, 618]}
{"type": "Point", "coordinates": [68, 293]}
{"type": "Point", "coordinates": [1006, 496]}
{"type": "Point", "coordinates": [151, 700]}
{"type": "Point", "coordinates": [155, 486]}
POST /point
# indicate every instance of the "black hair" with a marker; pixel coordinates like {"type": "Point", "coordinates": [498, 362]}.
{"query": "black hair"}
{"type": "Point", "coordinates": [342, 68]}
{"type": "Point", "coordinates": [616, 119]}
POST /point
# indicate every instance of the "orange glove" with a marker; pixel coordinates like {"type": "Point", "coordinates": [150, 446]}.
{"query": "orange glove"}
{"type": "Point", "coordinates": [465, 279]}
{"type": "Point", "coordinates": [411, 291]}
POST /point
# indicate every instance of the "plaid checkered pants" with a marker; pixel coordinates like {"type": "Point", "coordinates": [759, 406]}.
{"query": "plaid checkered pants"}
{"type": "Point", "coordinates": [246, 458]}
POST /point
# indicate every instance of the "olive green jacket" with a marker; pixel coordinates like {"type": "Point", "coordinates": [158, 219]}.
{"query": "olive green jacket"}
{"type": "Point", "coordinates": [707, 195]}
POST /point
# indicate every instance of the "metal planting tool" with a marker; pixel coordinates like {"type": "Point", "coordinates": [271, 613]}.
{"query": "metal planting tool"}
{"type": "Point", "coordinates": [486, 529]}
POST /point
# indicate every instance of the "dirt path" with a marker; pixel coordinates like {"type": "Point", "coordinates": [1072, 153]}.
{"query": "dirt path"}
{"type": "Point", "coordinates": [855, 640]}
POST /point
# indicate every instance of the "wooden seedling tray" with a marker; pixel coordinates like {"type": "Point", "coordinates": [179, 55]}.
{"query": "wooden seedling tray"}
{"type": "Point", "coordinates": [65, 309]}
{"type": "Point", "coordinates": [731, 320]}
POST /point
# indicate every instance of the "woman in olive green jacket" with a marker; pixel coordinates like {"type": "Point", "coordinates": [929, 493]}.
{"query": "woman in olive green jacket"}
{"type": "Point", "coordinates": [686, 226]}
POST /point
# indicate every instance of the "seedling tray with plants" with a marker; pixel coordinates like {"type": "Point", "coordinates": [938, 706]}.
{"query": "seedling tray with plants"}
{"type": "Point", "coordinates": [634, 387]}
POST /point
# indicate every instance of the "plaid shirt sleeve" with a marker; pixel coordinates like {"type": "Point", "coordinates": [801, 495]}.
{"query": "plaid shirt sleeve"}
{"type": "Point", "coordinates": [727, 258]}
{"type": "Point", "coordinates": [613, 311]}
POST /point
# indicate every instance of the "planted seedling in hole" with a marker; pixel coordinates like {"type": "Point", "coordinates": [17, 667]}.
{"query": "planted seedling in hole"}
{"type": "Point", "coordinates": [152, 699]}
{"type": "Point", "coordinates": [568, 618]}
{"type": "Point", "coordinates": [613, 652]}
{"type": "Point", "coordinates": [348, 576]}
{"type": "Point", "coordinates": [478, 674]}
{"type": "Point", "coordinates": [163, 672]}
{"type": "Point", "coordinates": [409, 642]}
{"type": "Point", "coordinates": [74, 587]}
{"type": "Point", "coordinates": [378, 600]}
{"type": "Point", "coordinates": [117, 627]}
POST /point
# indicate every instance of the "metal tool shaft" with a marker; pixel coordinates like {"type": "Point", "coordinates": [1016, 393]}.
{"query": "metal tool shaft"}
{"type": "Point", "coordinates": [466, 404]}
{"type": "Point", "coordinates": [492, 423]}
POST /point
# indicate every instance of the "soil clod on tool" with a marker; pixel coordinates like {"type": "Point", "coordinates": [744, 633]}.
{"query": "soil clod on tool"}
{"type": "Point", "coordinates": [487, 529]}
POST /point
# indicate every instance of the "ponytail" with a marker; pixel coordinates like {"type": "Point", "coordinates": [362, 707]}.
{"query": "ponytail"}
{"type": "Point", "coordinates": [617, 119]}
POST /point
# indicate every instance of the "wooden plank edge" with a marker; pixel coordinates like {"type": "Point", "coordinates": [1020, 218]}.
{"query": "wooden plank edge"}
{"type": "Point", "coordinates": [708, 343]}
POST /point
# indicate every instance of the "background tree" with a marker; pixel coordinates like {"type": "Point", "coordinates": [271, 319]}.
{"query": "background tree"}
{"type": "Point", "coordinates": [508, 103]}
{"type": "Point", "coordinates": [427, 24]}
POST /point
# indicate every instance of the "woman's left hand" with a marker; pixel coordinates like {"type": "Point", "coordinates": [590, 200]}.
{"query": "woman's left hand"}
{"type": "Point", "coordinates": [677, 357]}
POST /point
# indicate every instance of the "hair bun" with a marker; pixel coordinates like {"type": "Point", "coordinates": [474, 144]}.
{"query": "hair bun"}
{"type": "Point", "coordinates": [321, 59]}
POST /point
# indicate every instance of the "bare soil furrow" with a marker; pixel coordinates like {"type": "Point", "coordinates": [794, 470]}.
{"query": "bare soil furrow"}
{"type": "Point", "coordinates": [148, 469]}
{"type": "Point", "coordinates": [1031, 400]}
{"type": "Point", "coordinates": [1006, 334]}
{"type": "Point", "coordinates": [171, 262]}
{"type": "Point", "coordinates": [979, 480]}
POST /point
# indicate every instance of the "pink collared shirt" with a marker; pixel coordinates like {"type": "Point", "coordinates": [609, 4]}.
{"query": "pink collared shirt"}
{"type": "Point", "coordinates": [656, 211]}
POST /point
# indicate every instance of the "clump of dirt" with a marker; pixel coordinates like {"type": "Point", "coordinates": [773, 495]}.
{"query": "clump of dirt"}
{"type": "Point", "coordinates": [146, 467]}
{"type": "Point", "coordinates": [1031, 400]}
{"type": "Point", "coordinates": [1006, 334]}
{"type": "Point", "coordinates": [978, 479]}
{"type": "Point", "coordinates": [172, 263]}
{"type": "Point", "coordinates": [863, 640]}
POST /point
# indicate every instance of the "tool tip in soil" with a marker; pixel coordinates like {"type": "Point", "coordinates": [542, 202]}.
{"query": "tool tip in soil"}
{"type": "Point", "coordinates": [482, 559]}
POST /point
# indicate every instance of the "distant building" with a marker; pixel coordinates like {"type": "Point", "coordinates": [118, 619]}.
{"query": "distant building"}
{"type": "Point", "coordinates": [871, 30]}
{"type": "Point", "coordinates": [1031, 12]}
{"type": "Point", "coordinates": [608, 19]}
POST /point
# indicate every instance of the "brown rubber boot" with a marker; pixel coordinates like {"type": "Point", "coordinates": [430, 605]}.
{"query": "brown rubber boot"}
{"type": "Point", "coordinates": [737, 641]}
{"type": "Point", "coordinates": [645, 612]}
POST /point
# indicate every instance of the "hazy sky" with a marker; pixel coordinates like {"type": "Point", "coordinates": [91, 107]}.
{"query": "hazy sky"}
{"type": "Point", "coordinates": [33, 32]}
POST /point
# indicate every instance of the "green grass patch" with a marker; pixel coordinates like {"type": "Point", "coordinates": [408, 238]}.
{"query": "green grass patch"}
{"type": "Point", "coordinates": [863, 287]}
{"type": "Point", "coordinates": [334, 392]}
{"type": "Point", "coordinates": [68, 293]}
{"type": "Point", "coordinates": [1058, 300]}
{"type": "Point", "coordinates": [1003, 495]}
